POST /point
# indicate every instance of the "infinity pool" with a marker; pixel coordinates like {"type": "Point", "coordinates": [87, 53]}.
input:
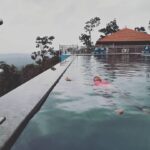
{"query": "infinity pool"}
{"type": "Point", "coordinates": [80, 116]}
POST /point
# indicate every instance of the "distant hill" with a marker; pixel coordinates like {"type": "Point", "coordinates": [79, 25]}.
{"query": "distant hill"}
{"type": "Point", "coordinates": [17, 59]}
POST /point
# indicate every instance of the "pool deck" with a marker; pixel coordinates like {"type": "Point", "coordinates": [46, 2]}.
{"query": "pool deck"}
{"type": "Point", "coordinates": [19, 105]}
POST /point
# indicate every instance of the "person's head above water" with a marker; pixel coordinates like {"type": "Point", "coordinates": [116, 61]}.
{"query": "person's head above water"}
{"type": "Point", "coordinates": [97, 78]}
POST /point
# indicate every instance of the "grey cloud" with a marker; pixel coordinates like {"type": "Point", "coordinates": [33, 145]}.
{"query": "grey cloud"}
{"type": "Point", "coordinates": [26, 19]}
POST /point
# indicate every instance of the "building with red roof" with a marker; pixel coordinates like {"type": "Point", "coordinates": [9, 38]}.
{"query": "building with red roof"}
{"type": "Point", "coordinates": [125, 41]}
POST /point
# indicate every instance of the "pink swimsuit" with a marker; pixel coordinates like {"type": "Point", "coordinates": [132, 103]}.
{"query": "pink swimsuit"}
{"type": "Point", "coordinates": [101, 83]}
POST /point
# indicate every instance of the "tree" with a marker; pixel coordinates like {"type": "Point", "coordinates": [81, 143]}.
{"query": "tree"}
{"type": "Point", "coordinates": [110, 28]}
{"type": "Point", "coordinates": [29, 71]}
{"type": "Point", "coordinates": [1, 21]}
{"type": "Point", "coordinates": [46, 51]}
{"type": "Point", "coordinates": [140, 29]}
{"type": "Point", "coordinates": [85, 39]}
{"type": "Point", "coordinates": [149, 25]}
{"type": "Point", "coordinates": [89, 27]}
{"type": "Point", "coordinates": [9, 78]}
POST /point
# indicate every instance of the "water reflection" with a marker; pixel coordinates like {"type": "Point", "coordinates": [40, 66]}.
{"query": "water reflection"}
{"type": "Point", "coordinates": [80, 116]}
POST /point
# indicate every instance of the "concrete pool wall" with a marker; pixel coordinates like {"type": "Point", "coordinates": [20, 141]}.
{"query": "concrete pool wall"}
{"type": "Point", "coordinates": [19, 105]}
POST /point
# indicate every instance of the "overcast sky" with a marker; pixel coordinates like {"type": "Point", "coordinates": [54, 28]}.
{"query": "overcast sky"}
{"type": "Point", "coordinates": [24, 20]}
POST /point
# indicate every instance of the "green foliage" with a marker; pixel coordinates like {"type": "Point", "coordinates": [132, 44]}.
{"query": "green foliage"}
{"type": "Point", "coordinates": [89, 27]}
{"type": "Point", "coordinates": [9, 78]}
{"type": "Point", "coordinates": [85, 39]}
{"type": "Point", "coordinates": [149, 25]}
{"type": "Point", "coordinates": [91, 24]}
{"type": "Point", "coordinates": [1, 21]}
{"type": "Point", "coordinates": [140, 29]}
{"type": "Point", "coordinates": [46, 51]}
{"type": "Point", "coordinates": [29, 71]}
{"type": "Point", "coordinates": [110, 28]}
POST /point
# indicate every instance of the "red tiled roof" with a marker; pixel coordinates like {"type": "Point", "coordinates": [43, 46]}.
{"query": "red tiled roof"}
{"type": "Point", "coordinates": [125, 35]}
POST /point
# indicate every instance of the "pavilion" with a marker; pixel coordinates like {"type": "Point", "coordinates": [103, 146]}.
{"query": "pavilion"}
{"type": "Point", "coordinates": [125, 41]}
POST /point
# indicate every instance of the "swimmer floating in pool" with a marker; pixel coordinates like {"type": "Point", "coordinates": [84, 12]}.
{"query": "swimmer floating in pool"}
{"type": "Point", "coordinates": [99, 82]}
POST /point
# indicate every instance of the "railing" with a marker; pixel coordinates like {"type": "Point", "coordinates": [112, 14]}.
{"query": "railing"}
{"type": "Point", "coordinates": [125, 48]}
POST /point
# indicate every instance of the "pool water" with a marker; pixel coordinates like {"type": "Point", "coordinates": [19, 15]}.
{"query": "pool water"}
{"type": "Point", "coordinates": [81, 116]}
